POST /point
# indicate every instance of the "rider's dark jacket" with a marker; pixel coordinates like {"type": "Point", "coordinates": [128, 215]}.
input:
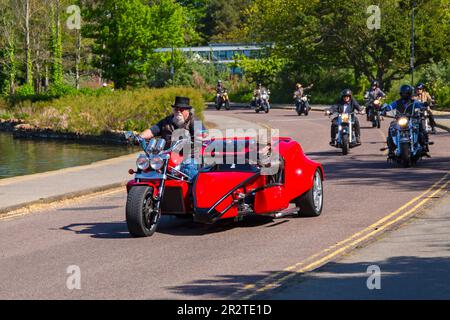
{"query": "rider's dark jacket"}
{"type": "Point", "coordinates": [352, 105]}
{"type": "Point", "coordinates": [166, 127]}
{"type": "Point", "coordinates": [375, 94]}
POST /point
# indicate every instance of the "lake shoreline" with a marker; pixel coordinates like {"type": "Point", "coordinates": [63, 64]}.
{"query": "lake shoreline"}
{"type": "Point", "coordinates": [22, 130]}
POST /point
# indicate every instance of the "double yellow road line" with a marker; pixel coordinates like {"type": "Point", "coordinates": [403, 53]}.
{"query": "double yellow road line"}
{"type": "Point", "coordinates": [275, 280]}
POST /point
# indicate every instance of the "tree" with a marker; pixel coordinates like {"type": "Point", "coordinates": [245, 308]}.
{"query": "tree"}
{"type": "Point", "coordinates": [8, 62]}
{"type": "Point", "coordinates": [334, 33]}
{"type": "Point", "coordinates": [261, 70]}
{"type": "Point", "coordinates": [223, 19]}
{"type": "Point", "coordinates": [127, 31]}
{"type": "Point", "coordinates": [56, 44]}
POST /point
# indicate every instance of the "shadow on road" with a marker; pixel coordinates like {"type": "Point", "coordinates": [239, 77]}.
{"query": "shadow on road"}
{"type": "Point", "coordinates": [169, 225]}
{"type": "Point", "coordinates": [100, 230]}
{"type": "Point", "coordinates": [405, 277]}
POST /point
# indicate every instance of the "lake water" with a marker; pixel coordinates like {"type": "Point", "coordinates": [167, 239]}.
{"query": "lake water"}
{"type": "Point", "coordinates": [20, 157]}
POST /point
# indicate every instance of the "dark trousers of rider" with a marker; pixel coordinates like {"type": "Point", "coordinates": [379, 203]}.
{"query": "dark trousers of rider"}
{"type": "Point", "coordinates": [334, 127]}
{"type": "Point", "coordinates": [431, 117]}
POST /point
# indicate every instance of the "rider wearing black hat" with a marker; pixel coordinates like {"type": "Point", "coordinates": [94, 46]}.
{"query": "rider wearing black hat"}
{"type": "Point", "coordinates": [181, 118]}
{"type": "Point", "coordinates": [347, 104]}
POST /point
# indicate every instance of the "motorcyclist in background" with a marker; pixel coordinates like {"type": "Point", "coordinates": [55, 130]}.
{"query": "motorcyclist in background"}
{"type": "Point", "coordinates": [256, 93]}
{"type": "Point", "coordinates": [346, 104]}
{"type": "Point", "coordinates": [219, 90]}
{"type": "Point", "coordinates": [423, 96]}
{"type": "Point", "coordinates": [300, 90]}
{"type": "Point", "coordinates": [405, 105]}
{"type": "Point", "coordinates": [373, 94]}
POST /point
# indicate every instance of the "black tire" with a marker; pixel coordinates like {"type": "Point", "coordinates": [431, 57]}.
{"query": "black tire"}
{"type": "Point", "coordinates": [308, 207]}
{"type": "Point", "coordinates": [266, 108]}
{"type": "Point", "coordinates": [227, 105]}
{"type": "Point", "coordinates": [405, 155]}
{"type": "Point", "coordinates": [378, 121]}
{"type": "Point", "coordinates": [218, 106]}
{"type": "Point", "coordinates": [306, 112]}
{"type": "Point", "coordinates": [345, 144]}
{"type": "Point", "coordinates": [141, 221]}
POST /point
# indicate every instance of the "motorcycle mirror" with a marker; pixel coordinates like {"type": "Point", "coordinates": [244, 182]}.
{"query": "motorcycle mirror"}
{"type": "Point", "coordinates": [151, 145]}
{"type": "Point", "coordinates": [128, 135]}
{"type": "Point", "coordinates": [160, 145]}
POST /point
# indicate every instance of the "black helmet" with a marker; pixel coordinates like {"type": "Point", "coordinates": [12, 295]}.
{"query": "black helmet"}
{"type": "Point", "coordinates": [406, 91]}
{"type": "Point", "coordinates": [375, 83]}
{"type": "Point", "coordinates": [346, 92]}
{"type": "Point", "coordinates": [420, 86]}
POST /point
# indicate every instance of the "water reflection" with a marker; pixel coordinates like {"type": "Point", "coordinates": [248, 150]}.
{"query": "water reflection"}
{"type": "Point", "coordinates": [21, 157]}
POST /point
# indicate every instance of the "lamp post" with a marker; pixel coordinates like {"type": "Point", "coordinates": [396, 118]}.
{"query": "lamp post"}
{"type": "Point", "coordinates": [412, 42]}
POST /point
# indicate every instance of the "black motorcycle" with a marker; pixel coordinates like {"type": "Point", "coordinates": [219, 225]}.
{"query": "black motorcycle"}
{"type": "Point", "coordinates": [302, 104]}
{"type": "Point", "coordinates": [374, 112]}
{"type": "Point", "coordinates": [261, 101]}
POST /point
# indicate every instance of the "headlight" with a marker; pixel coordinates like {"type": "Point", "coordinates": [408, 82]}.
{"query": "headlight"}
{"type": "Point", "coordinates": [376, 102]}
{"type": "Point", "coordinates": [344, 117]}
{"type": "Point", "coordinates": [156, 163]}
{"type": "Point", "coordinates": [304, 98]}
{"type": "Point", "coordinates": [403, 121]}
{"type": "Point", "coordinates": [142, 162]}
{"type": "Point", "coordinates": [264, 96]}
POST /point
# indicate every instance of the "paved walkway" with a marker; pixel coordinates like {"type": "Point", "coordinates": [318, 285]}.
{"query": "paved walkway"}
{"type": "Point", "coordinates": [55, 185]}
{"type": "Point", "coordinates": [413, 262]}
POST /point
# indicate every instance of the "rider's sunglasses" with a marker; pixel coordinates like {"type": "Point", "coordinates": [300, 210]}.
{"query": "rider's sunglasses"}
{"type": "Point", "coordinates": [179, 109]}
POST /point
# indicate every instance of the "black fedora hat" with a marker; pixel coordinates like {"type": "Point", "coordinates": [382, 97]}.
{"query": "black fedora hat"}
{"type": "Point", "coordinates": [182, 102]}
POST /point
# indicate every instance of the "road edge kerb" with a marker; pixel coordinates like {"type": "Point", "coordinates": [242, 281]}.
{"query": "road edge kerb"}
{"type": "Point", "coordinates": [28, 206]}
{"type": "Point", "coordinates": [443, 127]}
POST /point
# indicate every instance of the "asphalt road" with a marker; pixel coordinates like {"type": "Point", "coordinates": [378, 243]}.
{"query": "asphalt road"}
{"type": "Point", "coordinates": [184, 260]}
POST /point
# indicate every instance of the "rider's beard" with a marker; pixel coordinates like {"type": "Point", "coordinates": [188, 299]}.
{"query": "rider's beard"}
{"type": "Point", "coordinates": [178, 120]}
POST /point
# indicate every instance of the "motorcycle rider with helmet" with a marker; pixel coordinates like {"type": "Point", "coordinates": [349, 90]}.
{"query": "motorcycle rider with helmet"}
{"type": "Point", "coordinates": [423, 96]}
{"type": "Point", "coordinates": [258, 90]}
{"type": "Point", "coordinates": [405, 105]}
{"type": "Point", "coordinates": [373, 94]}
{"type": "Point", "coordinates": [219, 89]}
{"type": "Point", "coordinates": [346, 104]}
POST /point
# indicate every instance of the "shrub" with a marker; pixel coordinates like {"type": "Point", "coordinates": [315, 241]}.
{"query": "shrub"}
{"type": "Point", "coordinates": [119, 110]}
{"type": "Point", "coordinates": [60, 90]}
{"type": "Point", "coordinates": [25, 91]}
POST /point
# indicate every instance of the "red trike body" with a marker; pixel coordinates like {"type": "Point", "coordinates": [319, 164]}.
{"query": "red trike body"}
{"type": "Point", "coordinates": [230, 191]}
